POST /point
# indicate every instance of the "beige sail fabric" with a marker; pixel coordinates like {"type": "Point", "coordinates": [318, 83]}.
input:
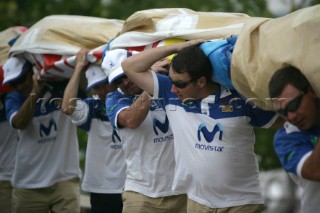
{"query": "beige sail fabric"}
{"type": "Point", "coordinates": [148, 26]}
{"type": "Point", "coordinates": [51, 43]}
{"type": "Point", "coordinates": [6, 36]}
{"type": "Point", "coordinates": [66, 34]}
{"type": "Point", "coordinates": [265, 45]}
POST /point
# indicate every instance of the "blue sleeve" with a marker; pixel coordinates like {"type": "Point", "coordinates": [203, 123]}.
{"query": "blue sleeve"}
{"type": "Point", "coordinates": [290, 148]}
{"type": "Point", "coordinates": [86, 125]}
{"type": "Point", "coordinates": [97, 110]}
{"type": "Point", "coordinates": [164, 88]}
{"type": "Point", "coordinates": [115, 102]}
{"type": "Point", "coordinates": [13, 103]}
{"type": "Point", "coordinates": [259, 117]}
{"type": "Point", "coordinates": [219, 53]}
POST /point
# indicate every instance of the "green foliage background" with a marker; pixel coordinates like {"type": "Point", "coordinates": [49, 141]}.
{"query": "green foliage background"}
{"type": "Point", "coordinates": [26, 13]}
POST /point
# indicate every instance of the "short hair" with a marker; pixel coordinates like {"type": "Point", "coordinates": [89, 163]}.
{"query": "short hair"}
{"type": "Point", "coordinates": [285, 76]}
{"type": "Point", "coordinates": [193, 61]}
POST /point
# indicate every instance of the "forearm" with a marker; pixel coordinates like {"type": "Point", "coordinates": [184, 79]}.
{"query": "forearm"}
{"type": "Point", "coordinates": [141, 62]}
{"type": "Point", "coordinates": [25, 114]}
{"type": "Point", "coordinates": [69, 101]}
{"type": "Point", "coordinates": [133, 116]}
{"type": "Point", "coordinates": [279, 122]}
{"type": "Point", "coordinates": [144, 60]}
{"type": "Point", "coordinates": [311, 167]}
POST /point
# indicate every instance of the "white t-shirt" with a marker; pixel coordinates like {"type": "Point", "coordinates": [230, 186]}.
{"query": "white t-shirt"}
{"type": "Point", "coordinates": [48, 150]}
{"type": "Point", "coordinates": [8, 145]}
{"type": "Point", "coordinates": [148, 149]}
{"type": "Point", "coordinates": [214, 138]}
{"type": "Point", "coordinates": [293, 147]}
{"type": "Point", "coordinates": [105, 168]}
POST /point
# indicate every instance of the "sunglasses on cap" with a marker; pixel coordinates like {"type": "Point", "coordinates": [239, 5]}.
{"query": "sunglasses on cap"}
{"type": "Point", "coordinates": [182, 85]}
{"type": "Point", "coordinates": [292, 106]}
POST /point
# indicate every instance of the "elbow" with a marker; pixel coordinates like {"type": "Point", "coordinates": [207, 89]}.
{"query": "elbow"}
{"type": "Point", "coordinates": [311, 168]}
{"type": "Point", "coordinates": [314, 176]}
{"type": "Point", "coordinates": [67, 111]}
{"type": "Point", "coordinates": [125, 66]}
{"type": "Point", "coordinates": [132, 123]}
{"type": "Point", "coordinates": [128, 123]}
{"type": "Point", "coordinates": [20, 126]}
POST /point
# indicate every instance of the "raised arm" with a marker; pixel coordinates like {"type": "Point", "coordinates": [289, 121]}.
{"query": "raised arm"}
{"type": "Point", "coordinates": [69, 102]}
{"type": "Point", "coordinates": [26, 112]}
{"type": "Point", "coordinates": [133, 116]}
{"type": "Point", "coordinates": [136, 67]}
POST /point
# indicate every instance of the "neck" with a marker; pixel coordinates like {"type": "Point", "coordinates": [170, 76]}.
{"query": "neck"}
{"type": "Point", "coordinates": [210, 88]}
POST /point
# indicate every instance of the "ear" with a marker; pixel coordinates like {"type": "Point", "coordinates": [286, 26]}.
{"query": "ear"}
{"type": "Point", "coordinates": [310, 89]}
{"type": "Point", "coordinates": [202, 82]}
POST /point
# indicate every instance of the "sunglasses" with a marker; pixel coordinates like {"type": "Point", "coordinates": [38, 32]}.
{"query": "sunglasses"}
{"type": "Point", "coordinates": [181, 85]}
{"type": "Point", "coordinates": [292, 106]}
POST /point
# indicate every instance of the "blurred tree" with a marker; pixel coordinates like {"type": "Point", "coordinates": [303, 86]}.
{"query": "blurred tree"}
{"type": "Point", "coordinates": [82, 137]}
{"type": "Point", "coordinates": [124, 8]}
{"type": "Point", "coordinates": [266, 155]}
{"type": "Point", "coordinates": [26, 13]}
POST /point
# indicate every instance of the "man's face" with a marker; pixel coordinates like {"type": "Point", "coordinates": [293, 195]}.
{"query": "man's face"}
{"type": "Point", "coordinates": [101, 90]}
{"type": "Point", "coordinates": [23, 84]}
{"type": "Point", "coordinates": [183, 86]}
{"type": "Point", "coordinates": [297, 107]}
{"type": "Point", "coordinates": [128, 87]}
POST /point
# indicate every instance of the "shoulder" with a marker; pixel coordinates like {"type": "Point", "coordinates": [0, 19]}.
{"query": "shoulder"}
{"type": "Point", "coordinates": [114, 95]}
{"type": "Point", "coordinates": [291, 138]}
{"type": "Point", "coordinates": [291, 131]}
{"type": "Point", "coordinates": [14, 99]}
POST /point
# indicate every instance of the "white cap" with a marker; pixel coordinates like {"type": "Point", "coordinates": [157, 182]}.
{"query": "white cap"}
{"type": "Point", "coordinates": [14, 68]}
{"type": "Point", "coordinates": [95, 76]}
{"type": "Point", "coordinates": [111, 63]}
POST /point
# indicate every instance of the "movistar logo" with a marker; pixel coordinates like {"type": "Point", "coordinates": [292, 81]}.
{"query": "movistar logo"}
{"type": "Point", "coordinates": [164, 127]}
{"type": "Point", "coordinates": [47, 129]}
{"type": "Point", "coordinates": [115, 136]}
{"type": "Point", "coordinates": [209, 135]}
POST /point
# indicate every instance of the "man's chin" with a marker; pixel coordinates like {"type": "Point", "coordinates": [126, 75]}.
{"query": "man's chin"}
{"type": "Point", "coordinates": [304, 126]}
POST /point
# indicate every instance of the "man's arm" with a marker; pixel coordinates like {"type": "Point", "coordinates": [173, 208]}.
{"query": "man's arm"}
{"type": "Point", "coordinates": [311, 167]}
{"type": "Point", "coordinates": [279, 122]}
{"type": "Point", "coordinates": [136, 67]}
{"type": "Point", "coordinates": [69, 102]}
{"type": "Point", "coordinates": [26, 112]}
{"type": "Point", "coordinates": [133, 116]}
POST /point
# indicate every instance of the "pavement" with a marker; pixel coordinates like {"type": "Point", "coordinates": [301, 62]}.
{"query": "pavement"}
{"type": "Point", "coordinates": [85, 203]}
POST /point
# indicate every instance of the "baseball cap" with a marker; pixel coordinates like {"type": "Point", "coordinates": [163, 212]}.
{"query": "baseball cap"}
{"type": "Point", "coordinates": [14, 68]}
{"type": "Point", "coordinates": [95, 76]}
{"type": "Point", "coordinates": [111, 63]}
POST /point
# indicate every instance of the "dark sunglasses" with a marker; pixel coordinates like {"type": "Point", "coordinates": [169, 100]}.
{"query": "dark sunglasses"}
{"type": "Point", "coordinates": [292, 106]}
{"type": "Point", "coordinates": [19, 81]}
{"type": "Point", "coordinates": [181, 85]}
